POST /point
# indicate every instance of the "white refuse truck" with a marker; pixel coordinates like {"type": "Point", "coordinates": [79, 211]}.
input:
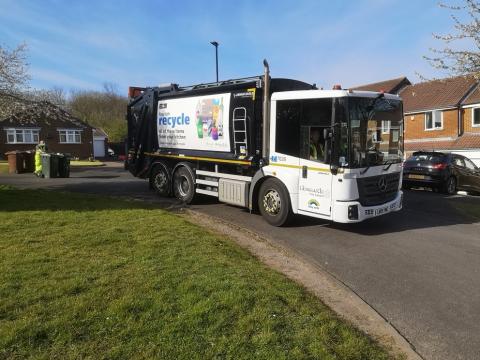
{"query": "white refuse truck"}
{"type": "Point", "coordinates": [277, 146]}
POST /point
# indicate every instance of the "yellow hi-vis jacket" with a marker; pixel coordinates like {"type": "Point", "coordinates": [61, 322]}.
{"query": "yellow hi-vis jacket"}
{"type": "Point", "coordinates": [316, 153]}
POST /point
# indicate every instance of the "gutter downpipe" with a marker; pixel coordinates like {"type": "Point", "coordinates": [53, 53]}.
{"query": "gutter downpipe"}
{"type": "Point", "coordinates": [266, 113]}
{"type": "Point", "coordinates": [460, 121]}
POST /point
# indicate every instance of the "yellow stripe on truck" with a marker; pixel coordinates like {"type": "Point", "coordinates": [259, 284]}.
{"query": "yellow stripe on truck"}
{"type": "Point", "coordinates": [299, 167]}
{"type": "Point", "coordinates": [240, 162]}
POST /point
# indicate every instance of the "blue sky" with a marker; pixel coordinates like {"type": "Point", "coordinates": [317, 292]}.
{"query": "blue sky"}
{"type": "Point", "coordinates": [82, 44]}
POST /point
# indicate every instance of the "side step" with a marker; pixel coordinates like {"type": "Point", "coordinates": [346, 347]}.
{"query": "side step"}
{"type": "Point", "coordinates": [228, 188]}
{"type": "Point", "coordinates": [206, 184]}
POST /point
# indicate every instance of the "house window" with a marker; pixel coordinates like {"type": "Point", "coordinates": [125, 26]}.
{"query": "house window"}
{"type": "Point", "coordinates": [22, 136]}
{"type": "Point", "coordinates": [70, 136]}
{"type": "Point", "coordinates": [476, 117]}
{"type": "Point", "coordinates": [385, 126]}
{"type": "Point", "coordinates": [434, 120]}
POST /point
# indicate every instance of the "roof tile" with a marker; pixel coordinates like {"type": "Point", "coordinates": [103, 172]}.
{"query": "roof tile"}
{"type": "Point", "coordinates": [43, 112]}
{"type": "Point", "coordinates": [436, 94]}
{"type": "Point", "coordinates": [391, 86]}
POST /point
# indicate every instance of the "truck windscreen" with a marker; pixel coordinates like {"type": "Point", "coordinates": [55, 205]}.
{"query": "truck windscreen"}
{"type": "Point", "coordinates": [375, 131]}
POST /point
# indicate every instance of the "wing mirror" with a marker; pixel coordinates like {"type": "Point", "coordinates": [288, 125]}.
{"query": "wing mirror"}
{"type": "Point", "coordinates": [327, 133]}
{"type": "Point", "coordinates": [327, 136]}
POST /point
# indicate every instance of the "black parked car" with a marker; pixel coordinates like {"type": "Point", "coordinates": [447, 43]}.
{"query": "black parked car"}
{"type": "Point", "coordinates": [441, 171]}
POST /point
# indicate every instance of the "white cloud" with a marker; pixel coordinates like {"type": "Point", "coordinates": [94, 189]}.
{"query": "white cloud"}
{"type": "Point", "coordinates": [55, 78]}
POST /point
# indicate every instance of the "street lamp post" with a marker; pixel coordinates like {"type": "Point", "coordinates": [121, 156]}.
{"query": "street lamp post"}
{"type": "Point", "coordinates": [215, 43]}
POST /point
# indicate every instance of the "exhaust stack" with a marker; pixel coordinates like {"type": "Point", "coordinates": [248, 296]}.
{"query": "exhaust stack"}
{"type": "Point", "coordinates": [266, 112]}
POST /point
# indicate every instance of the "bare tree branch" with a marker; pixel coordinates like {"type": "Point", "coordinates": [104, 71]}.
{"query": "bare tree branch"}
{"type": "Point", "coordinates": [466, 60]}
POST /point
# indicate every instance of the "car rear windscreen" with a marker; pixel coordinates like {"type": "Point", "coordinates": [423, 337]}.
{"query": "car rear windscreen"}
{"type": "Point", "coordinates": [433, 158]}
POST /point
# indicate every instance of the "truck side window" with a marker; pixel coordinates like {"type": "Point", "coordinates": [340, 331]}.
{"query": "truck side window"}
{"type": "Point", "coordinates": [316, 116]}
{"type": "Point", "coordinates": [288, 127]}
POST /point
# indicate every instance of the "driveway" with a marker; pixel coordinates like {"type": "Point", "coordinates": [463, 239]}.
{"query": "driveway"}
{"type": "Point", "coordinates": [420, 268]}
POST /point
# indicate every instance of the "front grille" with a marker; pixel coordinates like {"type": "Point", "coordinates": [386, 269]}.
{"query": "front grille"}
{"type": "Point", "coordinates": [371, 191]}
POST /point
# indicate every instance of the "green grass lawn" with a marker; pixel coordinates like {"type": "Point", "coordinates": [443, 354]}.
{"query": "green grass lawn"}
{"type": "Point", "coordinates": [86, 163]}
{"type": "Point", "coordinates": [82, 277]}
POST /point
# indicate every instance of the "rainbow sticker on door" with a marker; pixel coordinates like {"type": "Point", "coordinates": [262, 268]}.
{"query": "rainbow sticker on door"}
{"type": "Point", "coordinates": [313, 204]}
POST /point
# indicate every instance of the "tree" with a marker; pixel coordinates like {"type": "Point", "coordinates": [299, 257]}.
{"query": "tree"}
{"type": "Point", "coordinates": [13, 69]}
{"type": "Point", "coordinates": [461, 54]}
{"type": "Point", "coordinates": [105, 109]}
{"type": "Point", "coordinates": [13, 78]}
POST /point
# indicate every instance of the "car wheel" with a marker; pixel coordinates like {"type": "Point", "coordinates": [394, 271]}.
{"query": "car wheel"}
{"type": "Point", "coordinates": [184, 185]}
{"type": "Point", "coordinates": [274, 202]}
{"type": "Point", "coordinates": [160, 180]}
{"type": "Point", "coordinates": [450, 186]}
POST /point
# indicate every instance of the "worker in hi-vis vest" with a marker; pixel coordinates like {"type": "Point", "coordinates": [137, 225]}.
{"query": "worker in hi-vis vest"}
{"type": "Point", "coordinates": [39, 150]}
{"type": "Point", "coordinates": [316, 146]}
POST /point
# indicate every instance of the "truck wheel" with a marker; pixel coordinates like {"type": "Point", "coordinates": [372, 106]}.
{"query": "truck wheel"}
{"type": "Point", "coordinates": [160, 180]}
{"type": "Point", "coordinates": [183, 185]}
{"type": "Point", "coordinates": [274, 202]}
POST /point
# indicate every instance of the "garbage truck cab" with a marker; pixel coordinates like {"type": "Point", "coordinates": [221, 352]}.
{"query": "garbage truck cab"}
{"type": "Point", "coordinates": [356, 172]}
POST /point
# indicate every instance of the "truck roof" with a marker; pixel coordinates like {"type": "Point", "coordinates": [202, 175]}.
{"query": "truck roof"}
{"type": "Point", "coordinates": [311, 94]}
{"type": "Point", "coordinates": [174, 90]}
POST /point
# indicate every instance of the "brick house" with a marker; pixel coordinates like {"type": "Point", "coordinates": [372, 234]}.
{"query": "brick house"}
{"type": "Point", "coordinates": [44, 121]}
{"type": "Point", "coordinates": [440, 115]}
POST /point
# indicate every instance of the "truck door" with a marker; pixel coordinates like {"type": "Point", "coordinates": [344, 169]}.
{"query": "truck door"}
{"type": "Point", "coordinates": [315, 179]}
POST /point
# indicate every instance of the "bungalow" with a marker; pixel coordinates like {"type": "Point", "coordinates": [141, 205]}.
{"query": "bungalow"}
{"type": "Point", "coordinates": [38, 121]}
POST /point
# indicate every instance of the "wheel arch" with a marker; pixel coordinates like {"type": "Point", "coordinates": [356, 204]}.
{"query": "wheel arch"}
{"type": "Point", "coordinates": [258, 179]}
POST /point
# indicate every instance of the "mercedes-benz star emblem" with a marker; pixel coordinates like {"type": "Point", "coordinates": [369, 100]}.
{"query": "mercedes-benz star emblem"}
{"type": "Point", "coordinates": [382, 184]}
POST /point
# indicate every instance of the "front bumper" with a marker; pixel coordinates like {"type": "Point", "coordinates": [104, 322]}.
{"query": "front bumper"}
{"type": "Point", "coordinates": [342, 211]}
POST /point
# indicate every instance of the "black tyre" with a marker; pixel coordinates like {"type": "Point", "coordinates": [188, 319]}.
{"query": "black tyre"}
{"type": "Point", "coordinates": [406, 186]}
{"type": "Point", "coordinates": [160, 180]}
{"type": "Point", "coordinates": [450, 186]}
{"type": "Point", "coordinates": [274, 202]}
{"type": "Point", "coordinates": [184, 184]}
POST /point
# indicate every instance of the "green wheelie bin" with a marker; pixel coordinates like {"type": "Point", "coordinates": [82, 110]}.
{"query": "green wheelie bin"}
{"type": "Point", "coordinates": [64, 165]}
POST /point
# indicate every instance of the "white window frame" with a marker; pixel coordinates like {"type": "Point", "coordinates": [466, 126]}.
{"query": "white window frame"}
{"type": "Point", "coordinates": [22, 132]}
{"type": "Point", "coordinates": [69, 133]}
{"type": "Point", "coordinates": [386, 129]}
{"type": "Point", "coordinates": [473, 117]}
{"type": "Point", "coordinates": [433, 120]}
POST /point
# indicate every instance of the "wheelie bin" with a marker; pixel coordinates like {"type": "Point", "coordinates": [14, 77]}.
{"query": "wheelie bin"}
{"type": "Point", "coordinates": [45, 165]}
{"type": "Point", "coordinates": [19, 162]}
{"type": "Point", "coordinates": [64, 166]}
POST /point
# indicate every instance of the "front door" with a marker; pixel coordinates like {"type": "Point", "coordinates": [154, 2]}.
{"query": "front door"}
{"type": "Point", "coordinates": [315, 178]}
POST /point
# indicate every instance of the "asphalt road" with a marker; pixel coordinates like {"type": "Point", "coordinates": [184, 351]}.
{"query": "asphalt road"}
{"type": "Point", "coordinates": [419, 268]}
